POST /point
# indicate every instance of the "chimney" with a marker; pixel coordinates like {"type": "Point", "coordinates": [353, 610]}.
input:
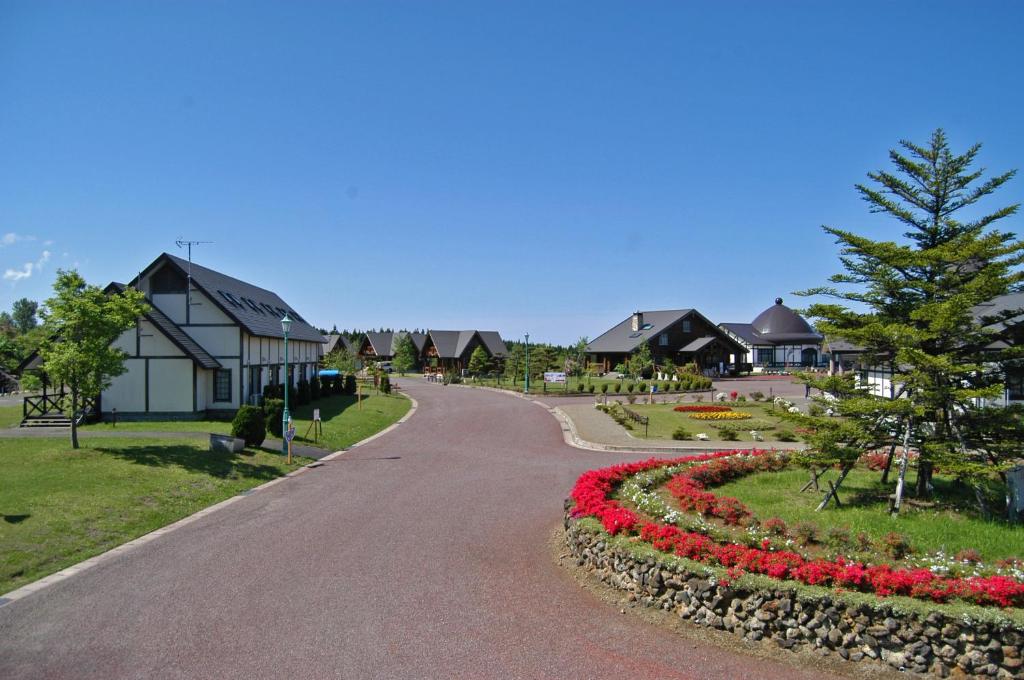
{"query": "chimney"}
{"type": "Point", "coordinates": [638, 320]}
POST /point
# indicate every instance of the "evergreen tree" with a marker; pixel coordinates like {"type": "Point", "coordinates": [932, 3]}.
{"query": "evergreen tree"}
{"type": "Point", "coordinates": [23, 314]}
{"type": "Point", "coordinates": [479, 361]}
{"type": "Point", "coordinates": [405, 355]}
{"type": "Point", "coordinates": [83, 322]}
{"type": "Point", "coordinates": [916, 310]}
{"type": "Point", "coordinates": [640, 361]}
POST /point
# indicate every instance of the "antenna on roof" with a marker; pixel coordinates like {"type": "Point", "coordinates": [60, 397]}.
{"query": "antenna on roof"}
{"type": "Point", "coordinates": [182, 243]}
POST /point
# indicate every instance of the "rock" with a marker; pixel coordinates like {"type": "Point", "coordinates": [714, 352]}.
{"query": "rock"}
{"type": "Point", "coordinates": [762, 615]}
{"type": "Point", "coordinates": [834, 636]}
{"type": "Point", "coordinates": [896, 659]}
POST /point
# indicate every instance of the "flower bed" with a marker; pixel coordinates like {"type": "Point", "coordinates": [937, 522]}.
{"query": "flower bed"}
{"type": "Point", "coordinates": [701, 408]}
{"type": "Point", "coordinates": [721, 415]}
{"type": "Point", "coordinates": [592, 497]}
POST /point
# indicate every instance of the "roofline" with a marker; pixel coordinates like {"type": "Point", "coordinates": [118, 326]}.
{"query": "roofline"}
{"type": "Point", "coordinates": [639, 340]}
{"type": "Point", "coordinates": [177, 344]}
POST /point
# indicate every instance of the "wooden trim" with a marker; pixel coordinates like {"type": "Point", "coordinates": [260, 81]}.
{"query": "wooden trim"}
{"type": "Point", "coordinates": [195, 387]}
{"type": "Point", "coordinates": [147, 384]}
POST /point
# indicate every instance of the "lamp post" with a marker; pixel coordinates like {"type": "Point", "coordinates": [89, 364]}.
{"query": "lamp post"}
{"type": "Point", "coordinates": [286, 326]}
{"type": "Point", "coordinates": [526, 390]}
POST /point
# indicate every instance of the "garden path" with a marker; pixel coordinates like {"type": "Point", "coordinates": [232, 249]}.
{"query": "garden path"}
{"type": "Point", "coordinates": [422, 554]}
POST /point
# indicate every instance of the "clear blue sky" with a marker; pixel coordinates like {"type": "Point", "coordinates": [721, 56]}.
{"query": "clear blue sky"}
{"type": "Point", "coordinates": [518, 166]}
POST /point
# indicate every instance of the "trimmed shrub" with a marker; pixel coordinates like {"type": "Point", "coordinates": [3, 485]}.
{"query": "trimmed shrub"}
{"type": "Point", "coordinates": [681, 434]}
{"type": "Point", "coordinates": [757, 396]}
{"type": "Point", "coordinates": [314, 388]}
{"type": "Point", "coordinates": [785, 436]}
{"type": "Point", "coordinates": [805, 533]}
{"type": "Point", "coordinates": [630, 387]}
{"type": "Point", "coordinates": [604, 388]}
{"type": "Point", "coordinates": [273, 410]}
{"type": "Point", "coordinates": [641, 387]}
{"type": "Point", "coordinates": [249, 424]}
{"type": "Point", "coordinates": [591, 387]}
{"type": "Point", "coordinates": [385, 384]}
{"type": "Point", "coordinates": [302, 393]}
{"type": "Point", "coordinates": [728, 434]}
{"type": "Point", "coordinates": [896, 545]}
{"type": "Point", "coordinates": [618, 387]}
{"type": "Point", "coordinates": [580, 387]}
{"type": "Point", "coordinates": [350, 384]}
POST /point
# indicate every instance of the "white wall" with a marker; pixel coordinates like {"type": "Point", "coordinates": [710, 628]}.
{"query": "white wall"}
{"type": "Point", "coordinates": [126, 341]}
{"type": "Point", "coordinates": [204, 310]}
{"type": "Point", "coordinates": [170, 385]}
{"type": "Point", "coordinates": [153, 343]}
{"type": "Point", "coordinates": [127, 392]}
{"type": "Point", "coordinates": [171, 304]}
{"type": "Point", "coordinates": [219, 341]}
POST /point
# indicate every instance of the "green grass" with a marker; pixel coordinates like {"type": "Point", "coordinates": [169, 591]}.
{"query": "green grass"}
{"type": "Point", "coordinates": [949, 525]}
{"type": "Point", "coordinates": [214, 426]}
{"type": "Point", "coordinates": [571, 387]}
{"type": "Point", "coordinates": [60, 506]}
{"type": "Point", "coordinates": [344, 423]}
{"type": "Point", "coordinates": [663, 421]}
{"type": "Point", "coordinates": [10, 416]}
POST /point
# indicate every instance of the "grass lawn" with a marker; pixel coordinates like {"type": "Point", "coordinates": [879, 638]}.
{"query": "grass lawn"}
{"type": "Point", "coordinates": [10, 416]}
{"type": "Point", "coordinates": [60, 506]}
{"type": "Point", "coordinates": [214, 426]}
{"type": "Point", "coordinates": [664, 421]}
{"type": "Point", "coordinates": [950, 524]}
{"type": "Point", "coordinates": [344, 423]}
{"type": "Point", "coordinates": [570, 387]}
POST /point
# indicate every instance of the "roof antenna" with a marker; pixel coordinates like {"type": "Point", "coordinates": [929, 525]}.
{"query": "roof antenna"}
{"type": "Point", "coordinates": [182, 243]}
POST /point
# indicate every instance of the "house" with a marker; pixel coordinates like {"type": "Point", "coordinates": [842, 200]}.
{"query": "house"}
{"type": "Point", "coordinates": [382, 345]}
{"type": "Point", "coordinates": [334, 341]}
{"type": "Point", "coordinates": [450, 351]}
{"type": "Point", "coordinates": [778, 337]}
{"type": "Point", "coordinates": [680, 335]}
{"type": "Point", "coordinates": [209, 344]}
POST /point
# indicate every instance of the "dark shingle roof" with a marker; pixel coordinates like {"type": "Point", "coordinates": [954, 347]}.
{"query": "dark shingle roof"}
{"type": "Point", "coordinates": [180, 338]}
{"type": "Point", "coordinates": [446, 343]}
{"type": "Point", "coordinates": [622, 337]}
{"type": "Point", "coordinates": [381, 342]}
{"type": "Point", "coordinates": [744, 331]}
{"type": "Point", "coordinates": [495, 345]}
{"type": "Point", "coordinates": [261, 318]}
{"type": "Point", "coordinates": [335, 340]}
{"type": "Point", "coordinates": [698, 344]}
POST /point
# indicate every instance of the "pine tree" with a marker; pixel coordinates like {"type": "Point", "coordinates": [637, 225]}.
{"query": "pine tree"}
{"type": "Point", "coordinates": [405, 355]}
{"type": "Point", "coordinates": [921, 298]}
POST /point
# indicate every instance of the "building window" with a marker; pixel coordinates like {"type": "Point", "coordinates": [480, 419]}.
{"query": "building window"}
{"type": "Point", "coordinates": [766, 356]}
{"type": "Point", "coordinates": [222, 384]}
{"type": "Point", "coordinates": [663, 340]}
{"type": "Point", "coordinates": [686, 326]}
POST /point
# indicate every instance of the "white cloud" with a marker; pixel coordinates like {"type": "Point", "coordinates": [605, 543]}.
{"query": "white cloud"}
{"type": "Point", "coordinates": [48, 242]}
{"type": "Point", "coordinates": [29, 268]}
{"type": "Point", "coordinates": [10, 238]}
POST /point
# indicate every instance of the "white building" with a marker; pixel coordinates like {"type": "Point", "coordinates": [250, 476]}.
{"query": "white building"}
{"type": "Point", "coordinates": [777, 339]}
{"type": "Point", "coordinates": [206, 347]}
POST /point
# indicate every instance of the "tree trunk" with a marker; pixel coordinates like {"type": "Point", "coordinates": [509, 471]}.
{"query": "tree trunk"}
{"type": "Point", "coordinates": [902, 478]}
{"type": "Point", "coordinates": [834, 488]}
{"type": "Point", "coordinates": [74, 420]}
{"type": "Point", "coordinates": [924, 478]}
{"type": "Point", "coordinates": [892, 453]}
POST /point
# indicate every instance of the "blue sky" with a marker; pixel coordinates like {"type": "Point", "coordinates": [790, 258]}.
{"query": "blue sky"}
{"type": "Point", "coordinates": [542, 167]}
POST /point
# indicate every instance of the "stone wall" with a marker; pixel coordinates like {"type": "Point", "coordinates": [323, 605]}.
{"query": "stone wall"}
{"type": "Point", "coordinates": [934, 643]}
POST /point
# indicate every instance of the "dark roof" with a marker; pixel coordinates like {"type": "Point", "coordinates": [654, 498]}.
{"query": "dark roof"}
{"type": "Point", "coordinates": [381, 342]}
{"type": "Point", "coordinates": [180, 338]}
{"type": "Point", "coordinates": [446, 342]}
{"type": "Point", "coordinates": [844, 346]}
{"type": "Point", "coordinates": [495, 345]}
{"type": "Point", "coordinates": [622, 338]}
{"type": "Point", "coordinates": [744, 331]}
{"type": "Point", "coordinates": [334, 340]}
{"type": "Point", "coordinates": [779, 323]}
{"type": "Point", "coordinates": [256, 309]}
{"type": "Point", "coordinates": [698, 344]}
{"type": "Point", "coordinates": [1004, 311]}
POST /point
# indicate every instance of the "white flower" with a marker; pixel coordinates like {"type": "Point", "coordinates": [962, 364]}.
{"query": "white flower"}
{"type": "Point", "coordinates": [702, 437]}
{"type": "Point", "coordinates": [793, 409]}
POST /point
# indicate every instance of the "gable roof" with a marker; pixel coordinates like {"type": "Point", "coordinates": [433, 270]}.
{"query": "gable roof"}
{"type": "Point", "coordinates": [622, 337]}
{"type": "Point", "coordinates": [743, 331]}
{"type": "Point", "coordinates": [446, 343]}
{"type": "Point", "coordinates": [381, 342]}
{"type": "Point", "coordinates": [256, 309]}
{"type": "Point", "coordinates": [495, 345]}
{"type": "Point", "coordinates": [335, 340]}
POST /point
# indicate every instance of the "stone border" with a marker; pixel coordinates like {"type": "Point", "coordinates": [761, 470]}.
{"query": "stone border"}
{"type": "Point", "coordinates": [936, 643]}
{"type": "Point", "coordinates": [66, 573]}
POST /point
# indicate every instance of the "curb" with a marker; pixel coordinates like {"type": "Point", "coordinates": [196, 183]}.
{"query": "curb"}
{"type": "Point", "coordinates": [66, 573]}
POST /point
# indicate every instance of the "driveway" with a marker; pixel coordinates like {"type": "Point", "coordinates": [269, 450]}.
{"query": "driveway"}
{"type": "Point", "coordinates": [423, 554]}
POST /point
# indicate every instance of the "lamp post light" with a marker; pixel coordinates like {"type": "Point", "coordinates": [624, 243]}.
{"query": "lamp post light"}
{"type": "Point", "coordinates": [526, 390]}
{"type": "Point", "coordinates": [286, 326]}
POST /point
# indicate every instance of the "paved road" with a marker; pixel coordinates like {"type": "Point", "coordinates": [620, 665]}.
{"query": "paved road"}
{"type": "Point", "coordinates": [423, 554]}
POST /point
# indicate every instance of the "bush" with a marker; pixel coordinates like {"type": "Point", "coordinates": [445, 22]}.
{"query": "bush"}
{"type": "Point", "coordinates": [273, 410]}
{"type": "Point", "coordinates": [757, 396]}
{"type": "Point", "coordinates": [385, 384]}
{"type": "Point", "coordinates": [350, 384]}
{"type": "Point", "coordinates": [864, 542]}
{"type": "Point", "coordinates": [604, 388]}
{"type": "Point", "coordinates": [630, 387]}
{"type": "Point", "coordinates": [302, 393]}
{"type": "Point", "coordinates": [741, 399]}
{"type": "Point", "coordinates": [815, 410]}
{"type": "Point", "coordinates": [249, 425]}
{"type": "Point", "coordinates": [580, 387]}
{"type": "Point", "coordinates": [805, 533]}
{"type": "Point", "coordinates": [591, 387]}
{"type": "Point", "coordinates": [838, 538]}
{"type": "Point", "coordinates": [785, 436]}
{"type": "Point", "coordinates": [728, 434]}
{"type": "Point", "coordinates": [665, 387]}
{"type": "Point", "coordinates": [641, 387]}
{"type": "Point", "coordinates": [774, 525]}
{"type": "Point", "coordinates": [681, 434]}
{"type": "Point", "coordinates": [896, 545]}
{"type": "Point", "coordinates": [314, 388]}
{"type": "Point", "coordinates": [618, 387]}
{"type": "Point", "coordinates": [969, 555]}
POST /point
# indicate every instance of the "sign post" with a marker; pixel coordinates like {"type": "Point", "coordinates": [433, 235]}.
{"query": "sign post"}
{"type": "Point", "coordinates": [316, 426]}
{"type": "Point", "coordinates": [289, 435]}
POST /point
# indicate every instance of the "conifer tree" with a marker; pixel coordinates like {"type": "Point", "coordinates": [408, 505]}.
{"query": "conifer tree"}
{"type": "Point", "coordinates": [916, 306]}
{"type": "Point", "coordinates": [405, 355]}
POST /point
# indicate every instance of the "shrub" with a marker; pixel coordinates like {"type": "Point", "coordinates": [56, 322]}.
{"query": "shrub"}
{"type": "Point", "coordinates": [896, 545]}
{"type": "Point", "coordinates": [694, 408]}
{"type": "Point", "coordinates": [728, 434]}
{"type": "Point", "coordinates": [741, 399]}
{"type": "Point", "coordinates": [618, 387]}
{"type": "Point", "coordinates": [969, 555]}
{"type": "Point", "coordinates": [681, 434]}
{"type": "Point", "coordinates": [249, 424]}
{"type": "Point", "coordinates": [785, 436]}
{"type": "Point", "coordinates": [314, 388]}
{"type": "Point", "coordinates": [815, 410]}
{"type": "Point", "coordinates": [864, 542]}
{"type": "Point", "coordinates": [838, 538]}
{"type": "Point", "coordinates": [350, 384]}
{"type": "Point", "coordinates": [630, 387]}
{"type": "Point", "coordinates": [273, 410]}
{"type": "Point", "coordinates": [302, 393]}
{"type": "Point", "coordinates": [805, 533]}
{"type": "Point", "coordinates": [665, 387]}
{"type": "Point", "coordinates": [385, 384]}
{"type": "Point", "coordinates": [774, 525]}
{"type": "Point", "coordinates": [757, 396]}
{"type": "Point", "coordinates": [604, 388]}
{"type": "Point", "coordinates": [641, 387]}
{"type": "Point", "coordinates": [580, 387]}
{"type": "Point", "coordinates": [591, 387]}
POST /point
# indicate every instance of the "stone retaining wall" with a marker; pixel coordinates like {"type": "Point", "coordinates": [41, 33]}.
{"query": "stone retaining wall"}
{"type": "Point", "coordinates": [936, 643]}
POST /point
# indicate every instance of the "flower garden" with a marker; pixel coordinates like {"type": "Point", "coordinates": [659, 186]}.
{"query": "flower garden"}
{"type": "Point", "coordinates": [734, 420]}
{"type": "Point", "coordinates": [671, 506]}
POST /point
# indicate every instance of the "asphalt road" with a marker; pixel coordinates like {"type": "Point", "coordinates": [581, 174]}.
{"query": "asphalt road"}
{"type": "Point", "coordinates": [423, 554]}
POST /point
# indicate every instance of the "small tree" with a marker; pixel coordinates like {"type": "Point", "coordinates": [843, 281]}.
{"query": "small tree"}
{"type": "Point", "coordinates": [479, 362]}
{"type": "Point", "coordinates": [84, 321]}
{"type": "Point", "coordinates": [340, 360]}
{"type": "Point", "coordinates": [640, 361]}
{"type": "Point", "coordinates": [23, 314]}
{"type": "Point", "coordinates": [405, 355]}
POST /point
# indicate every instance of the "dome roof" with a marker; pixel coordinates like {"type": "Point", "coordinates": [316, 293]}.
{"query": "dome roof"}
{"type": "Point", "coordinates": [779, 323]}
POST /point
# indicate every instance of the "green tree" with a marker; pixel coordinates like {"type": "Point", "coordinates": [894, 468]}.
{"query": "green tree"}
{"type": "Point", "coordinates": [340, 360]}
{"type": "Point", "coordinates": [84, 321]}
{"type": "Point", "coordinates": [913, 305]}
{"type": "Point", "coordinates": [640, 361]}
{"type": "Point", "coordinates": [576, 357]}
{"type": "Point", "coordinates": [515, 362]}
{"type": "Point", "coordinates": [23, 314]}
{"type": "Point", "coordinates": [405, 355]}
{"type": "Point", "coordinates": [479, 361]}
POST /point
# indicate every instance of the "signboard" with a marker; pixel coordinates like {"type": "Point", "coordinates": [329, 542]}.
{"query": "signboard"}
{"type": "Point", "coordinates": [316, 415]}
{"type": "Point", "coordinates": [289, 434]}
{"type": "Point", "coordinates": [554, 377]}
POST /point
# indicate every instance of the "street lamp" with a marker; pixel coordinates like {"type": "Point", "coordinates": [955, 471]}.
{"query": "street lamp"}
{"type": "Point", "coordinates": [526, 390]}
{"type": "Point", "coordinates": [286, 326]}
